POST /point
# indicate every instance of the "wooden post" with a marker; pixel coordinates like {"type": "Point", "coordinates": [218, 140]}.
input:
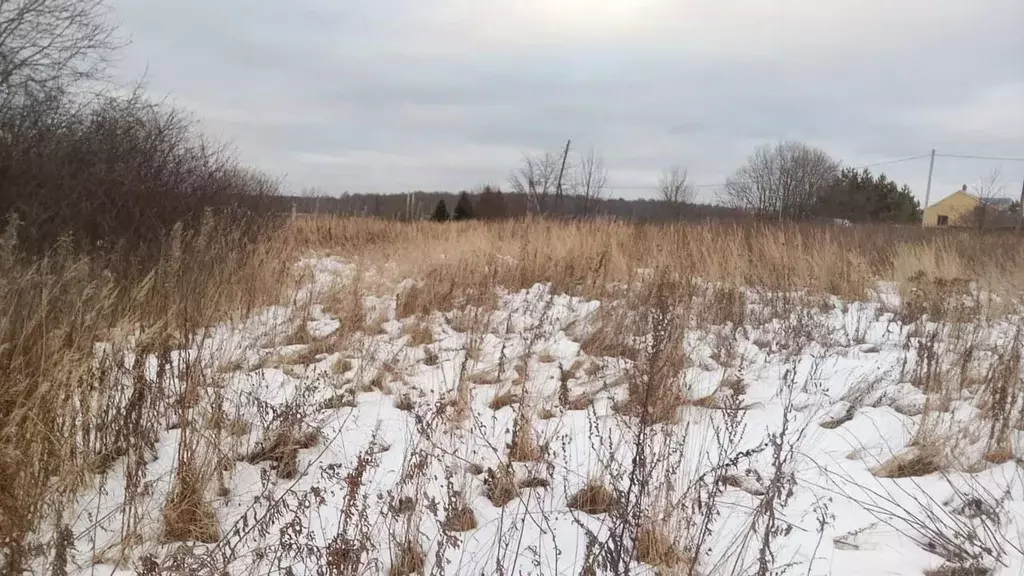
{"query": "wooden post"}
{"type": "Point", "coordinates": [1020, 208]}
{"type": "Point", "coordinates": [558, 187]}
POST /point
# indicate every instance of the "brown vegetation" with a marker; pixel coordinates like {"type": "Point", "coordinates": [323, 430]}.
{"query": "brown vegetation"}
{"type": "Point", "coordinates": [594, 498]}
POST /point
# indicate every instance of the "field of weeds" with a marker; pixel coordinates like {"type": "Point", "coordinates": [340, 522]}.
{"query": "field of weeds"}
{"type": "Point", "coordinates": [350, 397]}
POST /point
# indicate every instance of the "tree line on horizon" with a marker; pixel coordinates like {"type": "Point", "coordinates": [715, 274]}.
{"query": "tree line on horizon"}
{"type": "Point", "coordinates": [782, 181]}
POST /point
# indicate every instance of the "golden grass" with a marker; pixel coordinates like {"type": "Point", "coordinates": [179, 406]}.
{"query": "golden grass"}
{"type": "Point", "coordinates": [188, 515]}
{"type": "Point", "coordinates": [408, 560]}
{"type": "Point", "coordinates": [460, 261]}
{"type": "Point", "coordinates": [62, 409]}
{"type": "Point", "coordinates": [64, 413]}
{"type": "Point", "coordinates": [594, 498]}
{"type": "Point", "coordinates": [523, 447]}
{"type": "Point", "coordinates": [910, 463]}
{"type": "Point", "coordinates": [654, 546]}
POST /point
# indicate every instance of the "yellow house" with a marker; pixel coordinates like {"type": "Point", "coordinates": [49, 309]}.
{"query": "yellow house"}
{"type": "Point", "coordinates": [957, 209]}
{"type": "Point", "coordinates": [951, 209]}
{"type": "Point", "coordinates": [961, 209]}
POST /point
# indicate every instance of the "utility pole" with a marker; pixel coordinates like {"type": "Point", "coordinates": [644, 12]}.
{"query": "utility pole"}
{"type": "Point", "coordinates": [558, 188]}
{"type": "Point", "coordinates": [1020, 208]}
{"type": "Point", "coordinates": [928, 189]}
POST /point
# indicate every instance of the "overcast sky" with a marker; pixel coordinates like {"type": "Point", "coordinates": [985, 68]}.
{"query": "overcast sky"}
{"type": "Point", "coordinates": [393, 95]}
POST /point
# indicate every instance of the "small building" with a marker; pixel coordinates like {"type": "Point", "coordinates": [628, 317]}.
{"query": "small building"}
{"type": "Point", "coordinates": [961, 208]}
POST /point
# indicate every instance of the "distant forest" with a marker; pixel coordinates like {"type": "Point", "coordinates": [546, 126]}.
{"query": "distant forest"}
{"type": "Point", "coordinates": [497, 205]}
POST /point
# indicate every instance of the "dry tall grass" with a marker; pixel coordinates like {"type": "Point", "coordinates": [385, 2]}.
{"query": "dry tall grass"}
{"type": "Point", "coordinates": [584, 257]}
{"type": "Point", "coordinates": [69, 409]}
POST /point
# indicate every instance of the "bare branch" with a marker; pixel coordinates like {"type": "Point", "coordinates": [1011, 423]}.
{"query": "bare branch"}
{"type": "Point", "coordinates": [537, 178]}
{"type": "Point", "coordinates": [589, 180]}
{"type": "Point", "coordinates": [988, 189]}
{"type": "Point", "coordinates": [52, 44]}
{"type": "Point", "coordinates": [674, 188]}
{"type": "Point", "coordinates": [785, 180]}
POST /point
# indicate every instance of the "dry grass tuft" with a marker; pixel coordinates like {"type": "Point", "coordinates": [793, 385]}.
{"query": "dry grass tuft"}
{"type": "Point", "coordinates": [342, 366]}
{"type": "Point", "coordinates": [911, 462]}
{"type": "Point", "coordinates": [534, 482]}
{"type": "Point", "coordinates": [500, 486]}
{"type": "Point", "coordinates": [282, 450]}
{"type": "Point", "coordinates": [188, 515]}
{"type": "Point", "coordinates": [656, 548]}
{"type": "Point", "coordinates": [1000, 455]}
{"type": "Point", "coordinates": [580, 402]}
{"type": "Point", "coordinates": [408, 559]}
{"type": "Point", "coordinates": [594, 498]}
{"type": "Point", "coordinates": [410, 301]}
{"type": "Point", "coordinates": [483, 377]}
{"type": "Point", "coordinates": [459, 519]}
{"type": "Point", "coordinates": [238, 427]}
{"type": "Point", "coordinates": [523, 447]}
{"type": "Point", "coordinates": [504, 399]}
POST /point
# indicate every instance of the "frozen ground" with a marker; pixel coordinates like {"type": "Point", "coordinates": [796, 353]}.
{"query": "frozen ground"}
{"type": "Point", "coordinates": [777, 436]}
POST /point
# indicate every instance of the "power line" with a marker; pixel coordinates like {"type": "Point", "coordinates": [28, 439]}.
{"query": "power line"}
{"type": "Point", "coordinates": [897, 161]}
{"type": "Point", "coordinates": [969, 157]}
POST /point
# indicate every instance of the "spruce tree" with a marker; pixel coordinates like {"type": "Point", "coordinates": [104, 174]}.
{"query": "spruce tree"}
{"type": "Point", "coordinates": [463, 208]}
{"type": "Point", "coordinates": [490, 205]}
{"type": "Point", "coordinates": [441, 212]}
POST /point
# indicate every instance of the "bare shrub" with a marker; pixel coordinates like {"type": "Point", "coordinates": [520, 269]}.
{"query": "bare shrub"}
{"type": "Point", "coordinates": [118, 175]}
{"type": "Point", "coordinates": [53, 45]}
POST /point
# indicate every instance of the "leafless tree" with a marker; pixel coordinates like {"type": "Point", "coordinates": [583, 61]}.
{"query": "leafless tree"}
{"type": "Point", "coordinates": [589, 179]}
{"type": "Point", "coordinates": [989, 190]}
{"type": "Point", "coordinates": [675, 189]}
{"type": "Point", "coordinates": [784, 180]}
{"type": "Point", "coordinates": [50, 45]}
{"type": "Point", "coordinates": [537, 178]}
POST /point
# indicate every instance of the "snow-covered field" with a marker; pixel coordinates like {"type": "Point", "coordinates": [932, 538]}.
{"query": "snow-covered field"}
{"type": "Point", "coordinates": [835, 439]}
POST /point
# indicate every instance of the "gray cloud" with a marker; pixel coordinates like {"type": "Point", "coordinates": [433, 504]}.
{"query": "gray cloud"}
{"type": "Point", "coordinates": [395, 94]}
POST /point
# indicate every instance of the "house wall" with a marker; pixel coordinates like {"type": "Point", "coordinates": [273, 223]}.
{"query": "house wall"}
{"type": "Point", "coordinates": [954, 206]}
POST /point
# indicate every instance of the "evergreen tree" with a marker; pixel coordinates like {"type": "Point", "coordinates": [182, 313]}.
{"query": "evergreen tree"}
{"type": "Point", "coordinates": [491, 204]}
{"type": "Point", "coordinates": [463, 208]}
{"type": "Point", "coordinates": [441, 212]}
{"type": "Point", "coordinates": [860, 196]}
